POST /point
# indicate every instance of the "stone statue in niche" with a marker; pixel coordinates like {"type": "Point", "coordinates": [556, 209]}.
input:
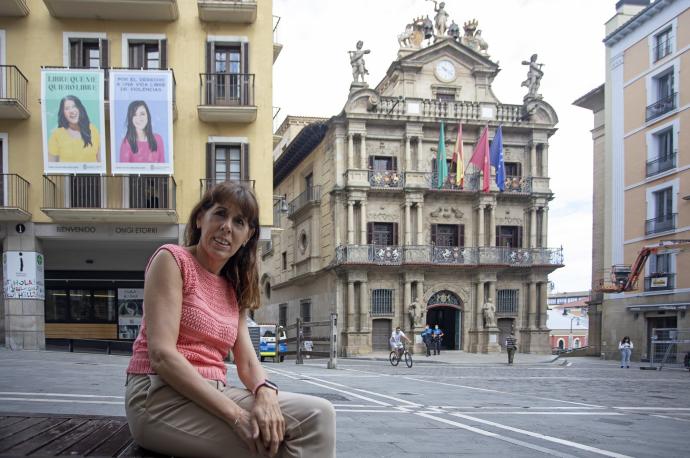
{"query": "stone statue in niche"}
{"type": "Point", "coordinates": [416, 313]}
{"type": "Point", "coordinates": [489, 312]}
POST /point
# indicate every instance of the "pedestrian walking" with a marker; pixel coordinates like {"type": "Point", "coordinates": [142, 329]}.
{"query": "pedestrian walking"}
{"type": "Point", "coordinates": [427, 339]}
{"type": "Point", "coordinates": [437, 334]}
{"type": "Point", "coordinates": [626, 347]}
{"type": "Point", "coordinates": [511, 346]}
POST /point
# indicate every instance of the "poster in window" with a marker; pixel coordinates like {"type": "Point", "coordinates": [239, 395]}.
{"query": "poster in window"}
{"type": "Point", "coordinates": [23, 275]}
{"type": "Point", "coordinates": [130, 310]}
{"type": "Point", "coordinates": [73, 121]}
{"type": "Point", "coordinates": [141, 104]}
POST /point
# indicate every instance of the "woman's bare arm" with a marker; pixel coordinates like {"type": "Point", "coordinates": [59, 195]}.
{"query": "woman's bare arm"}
{"type": "Point", "coordinates": [249, 369]}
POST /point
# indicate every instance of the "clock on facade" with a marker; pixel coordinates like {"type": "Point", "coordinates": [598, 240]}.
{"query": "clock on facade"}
{"type": "Point", "coordinates": [445, 71]}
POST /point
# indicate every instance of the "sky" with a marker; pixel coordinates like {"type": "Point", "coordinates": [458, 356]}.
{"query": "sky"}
{"type": "Point", "coordinates": [312, 78]}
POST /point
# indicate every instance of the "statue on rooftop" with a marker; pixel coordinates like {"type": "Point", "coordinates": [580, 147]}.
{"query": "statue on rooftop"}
{"type": "Point", "coordinates": [534, 75]}
{"type": "Point", "coordinates": [440, 19]}
{"type": "Point", "coordinates": [454, 31]}
{"type": "Point", "coordinates": [359, 68]}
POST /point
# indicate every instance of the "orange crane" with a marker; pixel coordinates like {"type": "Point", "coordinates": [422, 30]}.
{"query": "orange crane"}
{"type": "Point", "coordinates": [624, 277]}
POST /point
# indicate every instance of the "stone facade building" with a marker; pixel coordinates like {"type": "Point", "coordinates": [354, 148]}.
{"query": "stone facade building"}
{"type": "Point", "coordinates": [369, 234]}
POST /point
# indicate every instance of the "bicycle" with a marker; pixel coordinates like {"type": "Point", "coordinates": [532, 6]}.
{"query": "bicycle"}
{"type": "Point", "coordinates": [397, 355]}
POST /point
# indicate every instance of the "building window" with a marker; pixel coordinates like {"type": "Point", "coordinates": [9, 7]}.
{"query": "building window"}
{"type": "Point", "coordinates": [148, 191]}
{"type": "Point", "coordinates": [284, 260]}
{"type": "Point", "coordinates": [88, 53]}
{"type": "Point", "coordinates": [447, 98]}
{"type": "Point", "coordinates": [227, 79]}
{"type": "Point", "coordinates": [561, 344]}
{"type": "Point", "coordinates": [81, 305]}
{"type": "Point", "coordinates": [666, 155]}
{"type": "Point", "coordinates": [513, 169]}
{"type": "Point", "coordinates": [148, 54]}
{"type": "Point", "coordinates": [664, 219]}
{"type": "Point", "coordinates": [305, 315]}
{"type": "Point", "coordinates": [382, 302]}
{"type": "Point", "coordinates": [282, 315]}
{"type": "Point", "coordinates": [662, 44]}
{"type": "Point", "coordinates": [382, 163]}
{"type": "Point", "coordinates": [661, 275]}
{"type": "Point", "coordinates": [509, 236]}
{"type": "Point", "coordinates": [576, 343]}
{"type": "Point", "coordinates": [448, 235]}
{"type": "Point", "coordinates": [385, 234]}
{"type": "Point", "coordinates": [227, 162]}
{"type": "Point", "coordinates": [507, 301]}
{"type": "Point", "coordinates": [267, 290]}
{"type": "Point", "coordinates": [663, 87]}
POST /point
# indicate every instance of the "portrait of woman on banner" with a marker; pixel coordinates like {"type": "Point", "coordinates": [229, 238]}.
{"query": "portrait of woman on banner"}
{"type": "Point", "coordinates": [75, 139]}
{"type": "Point", "coordinates": [141, 144]}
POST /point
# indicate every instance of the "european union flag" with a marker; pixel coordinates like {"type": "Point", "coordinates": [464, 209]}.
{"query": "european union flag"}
{"type": "Point", "coordinates": [496, 157]}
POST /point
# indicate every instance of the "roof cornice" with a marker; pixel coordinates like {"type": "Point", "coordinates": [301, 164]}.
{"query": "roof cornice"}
{"type": "Point", "coordinates": [636, 21]}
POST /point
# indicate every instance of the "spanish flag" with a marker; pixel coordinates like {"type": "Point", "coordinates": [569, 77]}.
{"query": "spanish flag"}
{"type": "Point", "coordinates": [458, 159]}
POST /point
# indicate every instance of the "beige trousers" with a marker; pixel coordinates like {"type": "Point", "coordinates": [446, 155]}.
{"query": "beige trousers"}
{"type": "Point", "coordinates": [164, 421]}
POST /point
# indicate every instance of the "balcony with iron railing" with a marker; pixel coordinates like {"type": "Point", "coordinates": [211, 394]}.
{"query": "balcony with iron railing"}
{"type": "Point", "coordinates": [13, 8]}
{"type": "Point", "coordinates": [437, 255]}
{"type": "Point", "coordinates": [14, 198]}
{"type": "Point", "coordinates": [660, 281]}
{"type": "Point", "coordinates": [228, 11]}
{"type": "Point", "coordinates": [662, 163]}
{"type": "Point", "coordinates": [114, 10]}
{"type": "Point", "coordinates": [518, 184]}
{"type": "Point", "coordinates": [662, 106]}
{"type": "Point", "coordinates": [131, 198]}
{"type": "Point", "coordinates": [470, 182]}
{"type": "Point", "coordinates": [277, 45]}
{"type": "Point", "coordinates": [207, 183]}
{"type": "Point", "coordinates": [305, 201]}
{"type": "Point", "coordinates": [13, 93]}
{"type": "Point", "coordinates": [394, 107]}
{"type": "Point", "coordinates": [662, 223]}
{"type": "Point", "coordinates": [226, 97]}
{"type": "Point", "coordinates": [386, 179]}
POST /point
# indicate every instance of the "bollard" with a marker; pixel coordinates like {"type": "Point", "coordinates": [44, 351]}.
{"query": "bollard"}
{"type": "Point", "coordinates": [298, 359]}
{"type": "Point", "coordinates": [333, 360]}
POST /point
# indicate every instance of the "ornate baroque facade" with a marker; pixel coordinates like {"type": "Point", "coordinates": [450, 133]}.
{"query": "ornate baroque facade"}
{"type": "Point", "coordinates": [368, 233]}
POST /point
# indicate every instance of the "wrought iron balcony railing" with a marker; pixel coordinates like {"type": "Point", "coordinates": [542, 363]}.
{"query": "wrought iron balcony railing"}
{"type": "Point", "coordinates": [391, 179]}
{"type": "Point", "coordinates": [661, 223]}
{"type": "Point", "coordinates": [660, 281]}
{"type": "Point", "coordinates": [13, 84]}
{"type": "Point", "coordinates": [311, 195]}
{"type": "Point", "coordinates": [109, 192]}
{"type": "Point", "coordinates": [662, 163]}
{"type": "Point", "coordinates": [518, 184]}
{"type": "Point", "coordinates": [226, 89]}
{"type": "Point", "coordinates": [14, 192]}
{"type": "Point", "coordinates": [436, 255]}
{"type": "Point", "coordinates": [661, 106]}
{"type": "Point", "coordinates": [662, 48]}
{"type": "Point", "coordinates": [470, 182]}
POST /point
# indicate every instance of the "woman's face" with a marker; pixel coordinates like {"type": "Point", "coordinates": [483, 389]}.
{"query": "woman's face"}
{"type": "Point", "coordinates": [223, 231]}
{"type": "Point", "coordinates": [140, 118]}
{"type": "Point", "coordinates": [71, 112]}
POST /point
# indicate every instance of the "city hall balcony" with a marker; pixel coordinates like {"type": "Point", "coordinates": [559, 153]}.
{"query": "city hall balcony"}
{"type": "Point", "coordinates": [303, 203]}
{"type": "Point", "coordinates": [14, 198]}
{"type": "Point", "coordinates": [386, 179]}
{"type": "Point", "coordinates": [114, 10]}
{"type": "Point", "coordinates": [226, 97]}
{"type": "Point", "coordinates": [207, 183]}
{"type": "Point", "coordinates": [131, 198]}
{"type": "Point", "coordinates": [471, 182]}
{"type": "Point", "coordinates": [449, 256]}
{"type": "Point", "coordinates": [13, 95]}
{"type": "Point", "coordinates": [14, 8]}
{"type": "Point", "coordinates": [228, 11]}
{"type": "Point", "coordinates": [397, 108]}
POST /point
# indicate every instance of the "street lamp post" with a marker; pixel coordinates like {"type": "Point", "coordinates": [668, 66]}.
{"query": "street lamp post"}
{"type": "Point", "coordinates": [570, 338]}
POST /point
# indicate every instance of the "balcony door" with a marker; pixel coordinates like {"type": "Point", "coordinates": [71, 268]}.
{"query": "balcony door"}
{"type": "Point", "coordinates": [509, 236]}
{"type": "Point", "coordinates": [85, 191]}
{"type": "Point", "coordinates": [663, 210]}
{"type": "Point", "coordinates": [148, 54]}
{"type": "Point", "coordinates": [226, 162]}
{"type": "Point", "coordinates": [382, 234]}
{"type": "Point", "coordinates": [226, 80]}
{"type": "Point", "coordinates": [148, 191]}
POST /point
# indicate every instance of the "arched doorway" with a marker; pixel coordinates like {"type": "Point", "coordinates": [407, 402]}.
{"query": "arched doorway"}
{"type": "Point", "coordinates": [445, 309]}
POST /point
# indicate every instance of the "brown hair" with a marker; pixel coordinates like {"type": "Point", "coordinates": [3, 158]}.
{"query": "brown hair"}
{"type": "Point", "coordinates": [241, 269]}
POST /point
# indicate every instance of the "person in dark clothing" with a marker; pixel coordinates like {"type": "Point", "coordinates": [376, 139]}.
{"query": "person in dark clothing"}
{"type": "Point", "coordinates": [511, 346]}
{"type": "Point", "coordinates": [438, 337]}
{"type": "Point", "coordinates": [427, 339]}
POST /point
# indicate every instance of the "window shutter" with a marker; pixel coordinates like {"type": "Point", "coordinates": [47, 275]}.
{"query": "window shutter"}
{"type": "Point", "coordinates": [433, 165]}
{"type": "Point", "coordinates": [518, 167]}
{"type": "Point", "coordinates": [244, 68]}
{"type": "Point", "coordinates": [245, 161]}
{"type": "Point", "coordinates": [518, 242]}
{"type": "Point", "coordinates": [395, 163]}
{"type": "Point", "coordinates": [395, 233]}
{"type": "Point", "coordinates": [498, 235]}
{"type": "Point", "coordinates": [210, 50]}
{"type": "Point", "coordinates": [370, 233]}
{"type": "Point", "coordinates": [104, 53]}
{"type": "Point", "coordinates": [210, 162]}
{"type": "Point", "coordinates": [246, 84]}
{"type": "Point", "coordinates": [433, 234]}
{"type": "Point", "coordinates": [371, 162]}
{"type": "Point", "coordinates": [461, 235]}
{"type": "Point", "coordinates": [163, 50]}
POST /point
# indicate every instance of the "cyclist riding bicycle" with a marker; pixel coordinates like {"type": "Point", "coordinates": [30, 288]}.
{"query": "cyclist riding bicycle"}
{"type": "Point", "coordinates": [396, 341]}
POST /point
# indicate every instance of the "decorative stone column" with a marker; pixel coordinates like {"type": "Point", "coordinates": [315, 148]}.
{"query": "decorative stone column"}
{"type": "Point", "coordinates": [350, 222]}
{"type": "Point", "coordinates": [363, 221]}
{"type": "Point", "coordinates": [532, 316]}
{"type": "Point", "coordinates": [479, 302]}
{"type": "Point", "coordinates": [543, 299]}
{"type": "Point", "coordinates": [544, 226]}
{"type": "Point", "coordinates": [492, 226]}
{"type": "Point", "coordinates": [363, 151]}
{"type": "Point", "coordinates": [339, 146]}
{"type": "Point", "coordinates": [408, 154]}
{"type": "Point", "coordinates": [351, 317]}
{"type": "Point", "coordinates": [363, 307]}
{"type": "Point", "coordinates": [545, 159]}
{"type": "Point", "coordinates": [420, 227]}
{"type": "Point", "coordinates": [533, 159]}
{"type": "Point", "coordinates": [350, 151]}
{"type": "Point", "coordinates": [407, 300]}
{"type": "Point", "coordinates": [335, 203]}
{"type": "Point", "coordinates": [480, 226]}
{"type": "Point", "coordinates": [408, 222]}
{"type": "Point", "coordinates": [533, 227]}
{"type": "Point", "coordinates": [420, 160]}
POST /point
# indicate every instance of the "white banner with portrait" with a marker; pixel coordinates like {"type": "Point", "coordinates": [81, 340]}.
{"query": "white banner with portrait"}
{"type": "Point", "coordinates": [73, 121]}
{"type": "Point", "coordinates": [141, 115]}
{"type": "Point", "coordinates": [130, 311]}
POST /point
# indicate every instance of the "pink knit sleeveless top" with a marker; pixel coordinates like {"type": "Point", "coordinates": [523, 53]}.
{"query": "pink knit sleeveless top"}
{"type": "Point", "coordinates": [208, 324]}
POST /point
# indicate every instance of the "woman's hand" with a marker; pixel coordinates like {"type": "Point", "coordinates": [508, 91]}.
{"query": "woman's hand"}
{"type": "Point", "coordinates": [246, 427]}
{"type": "Point", "coordinates": [267, 415]}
